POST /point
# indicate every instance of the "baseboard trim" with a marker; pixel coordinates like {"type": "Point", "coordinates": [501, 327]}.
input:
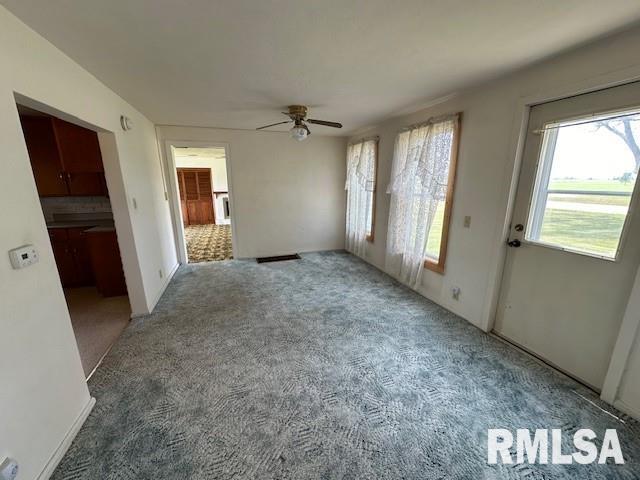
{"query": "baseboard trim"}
{"type": "Point", "coordinates": [55, 459]}
{"type": "Point", "coordinates": [164, 286]}
{"type": "Point", "coordinates": [623, 407]}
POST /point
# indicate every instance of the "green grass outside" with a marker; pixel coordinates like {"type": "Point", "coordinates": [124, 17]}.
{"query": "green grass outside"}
{"type": "Point", "coordinates": [435, 234]}
{"type": "Point", "coordinates": [592, 199]}
{"type": "Point", "coordinates": [592, 232]}
{"type": "Point", "coordinates": [596, 233]}
{"type": "Point", "coordinates": [592, 185]}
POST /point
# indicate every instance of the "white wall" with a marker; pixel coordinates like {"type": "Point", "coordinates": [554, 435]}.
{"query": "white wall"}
{"type": "Point", "coordinates": [628, 397]}
{"type": "Point", "coordinates": [485, 166]}
{"type": "Point", "coordinates": [491, 115]}
{"type": "Point", "coordinates": [39, 358]}
{"type": "Point", "coordinates": [217, 165]}
{"type": "Point", "coordinates": [287, 196]}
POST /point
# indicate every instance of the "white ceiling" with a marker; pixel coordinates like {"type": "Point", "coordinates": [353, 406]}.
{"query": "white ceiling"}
{"type": "Point", "coordinates": [238, 63]}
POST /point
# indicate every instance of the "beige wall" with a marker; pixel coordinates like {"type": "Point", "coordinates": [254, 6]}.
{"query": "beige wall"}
{"type": "Point", "coordinates": [491, 120]}
{"type": "Point", "coordinates": [628, 397]}
{"type": "Point", "coordinates": [287, 196]}
{"type": "Point", "coordinates": [44, 391]}
{"type": "Point", "coordinates": [218, 168]}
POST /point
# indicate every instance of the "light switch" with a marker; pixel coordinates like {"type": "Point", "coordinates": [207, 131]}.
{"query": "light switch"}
{"type": "Point", "coordinates": [467, 221]}
{"type": "Point", "coordinates": [24, 256]}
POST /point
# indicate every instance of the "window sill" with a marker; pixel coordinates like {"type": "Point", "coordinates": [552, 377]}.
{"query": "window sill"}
{"type": "Point", "coordinates": [434, 267]}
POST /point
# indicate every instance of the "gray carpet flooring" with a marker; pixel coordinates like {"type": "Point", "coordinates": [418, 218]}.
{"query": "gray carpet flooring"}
{"type": "Point", "coordinates": [321, 368]}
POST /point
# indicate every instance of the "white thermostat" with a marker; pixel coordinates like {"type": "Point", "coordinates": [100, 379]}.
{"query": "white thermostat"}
{"type": "Point", "coordinates": [23, 256]}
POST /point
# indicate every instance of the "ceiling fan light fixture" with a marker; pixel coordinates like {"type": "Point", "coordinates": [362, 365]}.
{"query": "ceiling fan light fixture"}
{"type": "Point", "coordinates": [298, 132]}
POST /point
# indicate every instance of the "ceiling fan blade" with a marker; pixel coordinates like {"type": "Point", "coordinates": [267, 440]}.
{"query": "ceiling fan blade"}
{"type": "Point", "coordinates": [325, 123]}
{"type": "Point", "coordinates": [274, 124]}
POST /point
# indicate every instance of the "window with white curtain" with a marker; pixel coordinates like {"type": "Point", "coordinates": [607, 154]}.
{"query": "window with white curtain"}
{"type": "Point", "coordinates": [421, 189]}
{"type": "Point", "coordinates": [361, 189]}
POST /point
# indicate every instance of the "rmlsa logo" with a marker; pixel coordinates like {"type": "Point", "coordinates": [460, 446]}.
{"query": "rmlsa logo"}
{"type": "Point", "coordinates": [539, 448]}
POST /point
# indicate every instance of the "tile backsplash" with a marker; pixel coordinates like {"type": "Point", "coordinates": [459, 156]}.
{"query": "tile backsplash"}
{"type": "Point", "coordinates": [74, 205]}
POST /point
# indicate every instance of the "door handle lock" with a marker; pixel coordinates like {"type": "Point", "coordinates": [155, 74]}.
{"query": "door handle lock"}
{"type": "Point", "coordinates": [514, 243]}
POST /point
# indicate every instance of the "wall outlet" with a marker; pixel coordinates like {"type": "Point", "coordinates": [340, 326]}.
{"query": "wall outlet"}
{"type": "Point", "coordinates": [455, 293]}
{"type": "Point", "coordinates": [8, 469]}
{"type": "Point", "coordinates": [160, 273]}
{"type": "Point", "coordinates": [467, 221]}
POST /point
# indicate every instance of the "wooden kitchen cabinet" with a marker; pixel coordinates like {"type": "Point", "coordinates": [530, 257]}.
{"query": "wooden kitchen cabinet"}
{"type": "Point", "coordinates": [45, 157]}
{"type": "Point", "coordinates": [106, 262]}
{"type": "Point", "coordinates": [72, 256]}
{"type": "Point", "coordinates": [79, 148]}
{"type": "Point", "coordinates": [89, 257]}
{"type": "Point", "coordinates": [65, 158]}
{"type": "Point", "coordinates": [63, 254]}
{"type": "Point", "coordinates": [78, 246]}
{"type": "Point", "coordinates": [86, 184]}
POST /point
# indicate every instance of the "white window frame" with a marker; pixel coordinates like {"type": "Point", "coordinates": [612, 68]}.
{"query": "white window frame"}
{"type": "Point", "coordinates": [540, 191]}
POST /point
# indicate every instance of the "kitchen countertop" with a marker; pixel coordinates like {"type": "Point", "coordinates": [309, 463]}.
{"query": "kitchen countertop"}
{"type": "Point", "coordinates": [81, 223]}
{"type": "Point", "coordinates": [100, 229]}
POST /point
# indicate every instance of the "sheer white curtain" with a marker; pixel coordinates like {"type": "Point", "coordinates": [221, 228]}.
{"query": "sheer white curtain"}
{"type": "Point", "coordinates": [360, 185]}
{"type": "Point", "coordinates": [418, 183]}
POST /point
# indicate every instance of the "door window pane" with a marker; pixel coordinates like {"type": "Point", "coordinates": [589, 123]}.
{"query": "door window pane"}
{"type": "Point", "coordinates": [586, 177]}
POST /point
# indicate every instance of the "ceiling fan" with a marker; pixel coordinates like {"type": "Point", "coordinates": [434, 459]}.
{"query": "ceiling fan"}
{"type": "Point", "coordinates": [298, 116]}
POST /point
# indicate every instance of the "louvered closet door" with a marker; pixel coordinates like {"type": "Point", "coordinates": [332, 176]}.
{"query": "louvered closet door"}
{"type": "Point", "coordinates": [196, 196]}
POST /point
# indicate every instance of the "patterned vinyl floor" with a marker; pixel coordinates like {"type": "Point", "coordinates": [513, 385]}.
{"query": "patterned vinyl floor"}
{"type": "Point", "coordinates": [208, 243]}
{"type": "Point", "coordinates": [321, 368]}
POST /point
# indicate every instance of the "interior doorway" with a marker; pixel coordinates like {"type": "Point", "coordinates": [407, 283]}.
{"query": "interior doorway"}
{"type": "Point", "coordinates": [575, 233]}
{"type": "Point", "coordinates": [203, 189]}
{"type": "Point", "coordinates": [68, 169]}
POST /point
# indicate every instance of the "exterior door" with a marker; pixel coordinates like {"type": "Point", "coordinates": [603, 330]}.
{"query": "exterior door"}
{"type": "Point", "coordinates": [575, 236]}
{"type": "Point", "coordinates": [196, 196]}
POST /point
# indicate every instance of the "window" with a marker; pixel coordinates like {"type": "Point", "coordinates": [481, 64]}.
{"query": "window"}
{"type": "Point", "coordinates": [362, 159]}
{"type": "Point", "coordinates": [585, 180]}
{"type": "Point", "coordinates": [421, 189]}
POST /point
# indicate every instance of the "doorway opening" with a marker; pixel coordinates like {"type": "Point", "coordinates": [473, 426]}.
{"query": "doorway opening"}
{"type": "Point", "coordinates": [203, 190]}
{"type": "Point", "coordinates": [66, 161]}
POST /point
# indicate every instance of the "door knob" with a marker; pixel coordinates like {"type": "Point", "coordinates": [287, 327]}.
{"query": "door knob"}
{"type": "Point", "coordinates": [514, 243]}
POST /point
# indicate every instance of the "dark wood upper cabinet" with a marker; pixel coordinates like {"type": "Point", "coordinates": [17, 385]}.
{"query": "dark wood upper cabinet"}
{"type": "Point", "coordinates": [44, 155]}
{"type": "Point", "coordinates": [86, 184]}
{"type": "Point", "coordinates": [79, 148]}
{"type": "Point", "coordinates": [65, 158]}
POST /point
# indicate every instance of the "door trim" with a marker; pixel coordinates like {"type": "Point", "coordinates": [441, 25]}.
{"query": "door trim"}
{"type": "Point", "coordinates": [174, 194]}
{"type": "Point", "coordinates": [524, 104]}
